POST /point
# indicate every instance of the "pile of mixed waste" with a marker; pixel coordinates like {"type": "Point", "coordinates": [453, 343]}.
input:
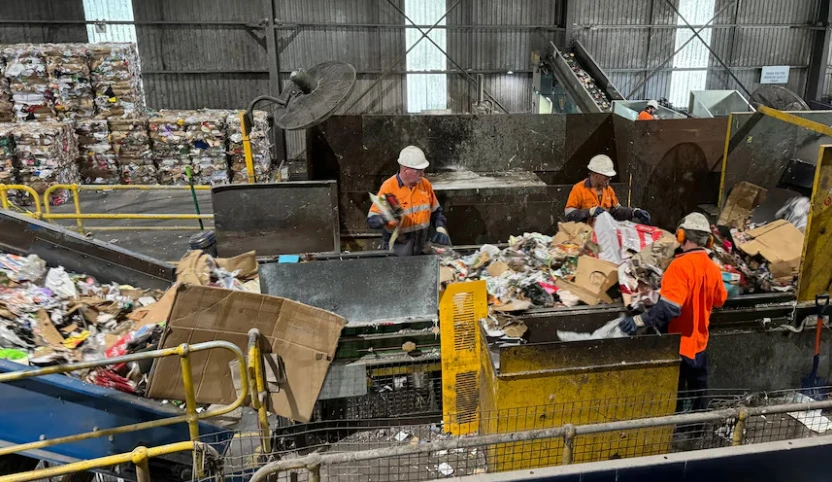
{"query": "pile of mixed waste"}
{"type": "Point", "coordinates": [620, 261]}
{"type": "Point", "coordinates": [49, 316]}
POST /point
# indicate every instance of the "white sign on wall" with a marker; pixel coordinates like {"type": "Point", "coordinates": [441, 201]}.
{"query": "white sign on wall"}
{"type": "Point", "coordinates": [775, 74]}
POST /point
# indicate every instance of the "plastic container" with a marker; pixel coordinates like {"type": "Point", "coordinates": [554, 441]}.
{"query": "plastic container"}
{"type": "Point", "coordinates": [732, 283]}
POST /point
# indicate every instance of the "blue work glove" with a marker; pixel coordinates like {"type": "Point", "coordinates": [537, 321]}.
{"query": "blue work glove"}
{"type": "Point", "coordinates": [631, 324]}
{"type": "Point", "coordinates": [441, 237]}
{"type": "Point", "coordinates": [642, 216]}
{"type": "Point", "coordinates": [596, 211]}
{"type": "Point", "coordinates": [375, 222]}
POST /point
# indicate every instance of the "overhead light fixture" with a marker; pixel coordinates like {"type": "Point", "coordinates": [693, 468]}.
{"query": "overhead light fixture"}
{"type": "Point", "coordinates": [510, 72]}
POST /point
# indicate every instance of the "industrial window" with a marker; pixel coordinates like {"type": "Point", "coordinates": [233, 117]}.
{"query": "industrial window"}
{"type": "Point", "coordinates": [426, 91]}
{"type": "Point", "coordinates": [99, 10]}
{"type": "Point", "coordinates": [695, 54]}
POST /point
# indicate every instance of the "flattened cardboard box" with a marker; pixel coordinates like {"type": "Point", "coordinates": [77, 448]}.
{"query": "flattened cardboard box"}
{"type": "Point", "coordinates": [780, 243]}
{"type": "Point", "coordinates": [305, 337]}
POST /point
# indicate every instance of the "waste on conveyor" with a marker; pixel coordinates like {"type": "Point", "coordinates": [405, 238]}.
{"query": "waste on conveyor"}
{"type": "Point", "coordinates": [600, 97]}
{"type": "Point", "coordinates": [49, 316]}
{"type": "Point", "coordinates": [613, 261]}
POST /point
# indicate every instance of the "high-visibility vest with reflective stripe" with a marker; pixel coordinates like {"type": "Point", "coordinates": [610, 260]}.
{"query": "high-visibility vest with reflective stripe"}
{"type": "Point", "coordinates": [584, 196]}
{"type": "Point", "coordinates": [417, 203]}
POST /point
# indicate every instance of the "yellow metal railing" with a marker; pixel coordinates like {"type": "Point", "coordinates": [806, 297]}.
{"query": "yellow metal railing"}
{"type": "Point", "coordinates": [79, 216]}
{"type": "Point", "coordinates": [250, 369]}
{"type": "Point", "coordinates": [6, 204]}
{"type": "Point", "coordinates": [191, 417]}
{"type": "Point", "coordinates": [139, 456]}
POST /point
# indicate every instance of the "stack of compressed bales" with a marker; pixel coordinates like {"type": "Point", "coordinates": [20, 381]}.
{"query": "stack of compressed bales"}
{"type": "Point", "coordinates": [260, 147]}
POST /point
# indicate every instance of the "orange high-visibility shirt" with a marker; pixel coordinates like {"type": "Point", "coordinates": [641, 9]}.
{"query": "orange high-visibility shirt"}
{"type": "Point", "coordinates": [417, 203]}
{"type": "Point", "coordinates": [693, 283]}
{"type": "Point", "coordinates": [584, 196]}
{"type": "Point", "coordinates": [644, 115]}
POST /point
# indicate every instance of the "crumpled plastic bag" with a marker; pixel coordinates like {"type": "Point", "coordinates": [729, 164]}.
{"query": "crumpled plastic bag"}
{"type": "Point", "coordinates": [606, 234]}
{"type": "Point", "coordinates": [59, 282]}
{"type": "Point", "coordinates": [796, 211]}
{"type": "Point", "coordinates": [609, 330]}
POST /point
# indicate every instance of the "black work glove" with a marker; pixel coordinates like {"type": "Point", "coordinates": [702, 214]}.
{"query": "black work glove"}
{"type": "Point", "coordinates": [375, 222]}
{"type": "Point", "coordinates": [596, 211]}
{"type": "Point", "coordinates": [642, 216]}
{"type": "Point", "coordinates": [631, 324]}
{"type": "Point", "coordinates": [441, 237]}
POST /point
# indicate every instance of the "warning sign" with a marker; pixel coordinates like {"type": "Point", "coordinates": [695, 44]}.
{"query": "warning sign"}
{"type": "Point", "coordinates": [775, 74]}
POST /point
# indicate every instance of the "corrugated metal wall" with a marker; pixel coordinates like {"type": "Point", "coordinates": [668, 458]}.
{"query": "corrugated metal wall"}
{"type": "Point", "coordinates": [767, 32]}
{"type": "Point", "coordinates": [177, 58]}
{"type": "Point", "coordinates": [61, 12]}
{"type": "Point", "coordinates": [214, 53]}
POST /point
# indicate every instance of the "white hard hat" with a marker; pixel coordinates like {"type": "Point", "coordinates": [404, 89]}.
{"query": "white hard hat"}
{"type": "Point", "coordinates": [653, 104]}
{"type": "Point", "coordinates": [602, 164]}
{"type": "Point", "coordinates": [413, 157]}
{"type": "Point", "coordinates": [696, 222]}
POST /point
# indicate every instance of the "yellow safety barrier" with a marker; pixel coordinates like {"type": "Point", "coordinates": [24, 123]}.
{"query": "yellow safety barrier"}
{"type": "Point", "coordinates": [4, 198]}
{"type": "Point", "coordinates": [191, 417]}
{"type": "Point", "coordinates": [253, 384]}
{"type": "Point", "coordinates": [79, 216]}
{"type": "Point", "coordinates": [259, 391]}
{"type": "Point", "coordinates": [139, 456]}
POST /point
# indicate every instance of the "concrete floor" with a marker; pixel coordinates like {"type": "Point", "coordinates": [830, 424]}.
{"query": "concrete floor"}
{"type": "Point", "coordinates": [164, 245]}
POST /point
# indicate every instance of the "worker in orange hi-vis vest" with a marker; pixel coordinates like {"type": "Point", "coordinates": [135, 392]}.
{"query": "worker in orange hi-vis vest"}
{"type": "Point", "coordinates": [691, 288]}
{"type": "Point", "coordinates": [420, 210]}
{"type": "Point", "coordinates": [649, 112]}
{"type": "Point", "coordinates": [593, 196]}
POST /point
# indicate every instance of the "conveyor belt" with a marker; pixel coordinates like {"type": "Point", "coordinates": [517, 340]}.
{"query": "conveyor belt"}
{"type": "Point", "coordinates": [589, 87]}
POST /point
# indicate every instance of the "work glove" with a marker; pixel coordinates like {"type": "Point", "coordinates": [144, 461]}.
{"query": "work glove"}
{"type": "Point", "coordinates": [441, 237]}
{"type": "Point", "coordinates": [375, 222]}
{"type": "Point", "coordinates": [596, 211]}
{"type": "Point", "coordinates": [642, 216]}
{"type": "Point", "coordinates": [631, 324]}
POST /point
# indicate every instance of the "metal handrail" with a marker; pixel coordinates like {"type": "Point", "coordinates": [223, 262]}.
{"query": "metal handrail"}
{"type": "Point", "coordinates": [139, 456]}
{"type": "Point", "coordinates": [313, 462]}
{"type": "Point", "coordinates": [79, 216]}
{"type": "Point", "coordinates": [191, 417]}
{"type": "Point", "coordinates": [4, 198]}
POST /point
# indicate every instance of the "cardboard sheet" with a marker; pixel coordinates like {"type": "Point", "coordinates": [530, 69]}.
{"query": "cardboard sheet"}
{"type": "Point", "coordinates": [596, 275]}
{"type": "Point", "coordinates": [740, 205]}
{"type": "Point", "coordinates": [572, 232]}
{"type": "Point", "coordinates": [305, 337]}
{"type": "Point", "coordinates": [246, 263]}
{"type": "Point", "coordinates": [780, 243]}
{"type": "Point", "coordinates": [194, 268]}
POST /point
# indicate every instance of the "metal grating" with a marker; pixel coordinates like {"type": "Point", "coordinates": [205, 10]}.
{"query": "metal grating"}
{"type": "Point", "coordinates": [464, 325]}
{"type": "Point", "coordinates": [467, 397]}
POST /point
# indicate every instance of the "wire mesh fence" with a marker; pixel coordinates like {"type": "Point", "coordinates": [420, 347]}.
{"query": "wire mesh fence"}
{"type": "Point", "coordinates": [418, 448]}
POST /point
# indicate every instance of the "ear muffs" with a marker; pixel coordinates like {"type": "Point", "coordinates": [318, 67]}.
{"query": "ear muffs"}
{"type": "Point", "coordinates": [681, 237]}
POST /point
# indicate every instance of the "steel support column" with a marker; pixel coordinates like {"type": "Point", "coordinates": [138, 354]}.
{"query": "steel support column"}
{"type": "Point", "coordinates": [275, 87]}
{"type": "Point", "coordinates": [820, 54]}
{"type": "Point", "coordinates": [569, 10]}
